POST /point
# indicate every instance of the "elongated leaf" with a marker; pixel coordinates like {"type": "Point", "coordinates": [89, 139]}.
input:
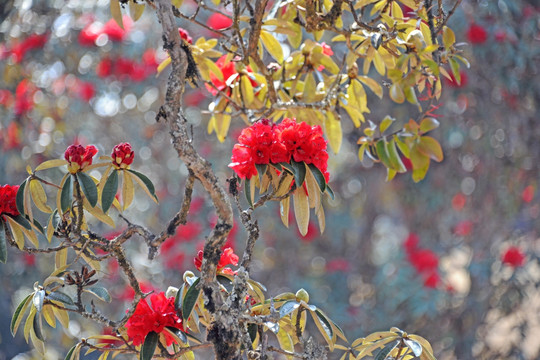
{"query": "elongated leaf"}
{"type": "Point", "coordinates": [334, 132]}
{"type": "Point", "coordinates": [38, 325]}
{"type": "Point", "coordinates": [3, 243]}
{"type": "Point", "coordinates": [301, 210]}
{"type": "Point", "coordinates": [381, 355]}
{"type": "Point", "coordinates": [247, 190]}
{"type": "Point", "coordinates": [330, 191]}
{"type": "Point", "coordinates": [177, 334]}
{"type": "Point", "coordinates": [109, 191]}
{"type": "Point", "coordinates": [272, 45]}
{"type": "Point", "coordinates": [127, 190]}
{"type": "Point", "coordinates": [116, 13]}
{"type": "Point", "coordinates": [284, 210]}
{"type": "Point", "coordinates": [99, 292]}
{"type": "Point", "coordinates": [149, 346]}
{"type": "Point", "coordinates": [88, 187]}
{"type": "Point", "coordinates": [50, 164]}
{"type": "Point", "coordinates": [430, 147]}
{"type": "Point", "coordinates": [136, 10]}
{"type": "Point", "coordinates": [261, 170]}
{"type": "Point", "coordinates": [324, 326]}
{"type": "Point", "coordinates": [71, 353]}
{"type": "Point", "coordinates": [288, 308]}
{"type": "Point", "coordinates": [39, 196]}
{"type": "Point", "coordinates": [66, 194]}
{"type": "Point", "coordinates": [60, 296]}
{"type": "Point", "coordinates": [16, 232]}
{"type": "Point", "coordinates": [248, 94]}
{"type": "Point", "coordinates": [19, 312]}
{"type": "Point", "coordinates": [19, 199]}
{"type": "Point", "coordinates": [148, 186]}
{"type": "Point", "coordinates": [48, 315]}
{"type": "Point", "coordinates": [299, 169]}
{"type": "Point", "coordinates": [415, 347]}
{"type": "Point", "coordinates": [192, 295]}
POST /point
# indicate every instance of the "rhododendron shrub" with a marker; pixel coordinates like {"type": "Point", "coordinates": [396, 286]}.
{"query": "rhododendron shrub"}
{"type": "Point", "coordinates": [295, 96]}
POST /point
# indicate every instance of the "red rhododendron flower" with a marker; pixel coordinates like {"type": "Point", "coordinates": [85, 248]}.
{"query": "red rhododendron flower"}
{"type": "Point", "coordinates": [86, 91]}
{"type": "Point", "coordinates": [185, 35]}
{"type": "Point", "coordinates": [11, 137]}
{"type": "Point", "coordinates": [8, 194]}
{"type": "Point", "coordinates": [458, 201]}
{"type": "Point", "coordinates": [528, 194]}
{"type": "Point", "coordinates": [32, 42]}
{"type": "Point", "coordinates": [104, 68]}
{"type": "Point", "coordinates": [24, 101]}
{"type": "Point", "coordinates": [79, 157]}
{"type": "Point", "coordinates": [115, 32]}
{"type": "Point", "coordinates": [424, 260]}
{"type": "Point", "coordinates": [146, 319]}
{"type": "Point", "coordinates": [513, 257]}
{"type": "Point", "coordinates": [264, 142]}
{"type": "Point", "coordinates": [218, 21]}
{"type": "Point", "coordinates": [90, 33]}
{"type": "Point", "coordinates": [230, 76]}
{"type": "Point", "coordinates": [432, 280]}
{"type": "Point", "coordinates": [228, 257]}
{"type": "Point", "coordinates": [476, 34]}
{"type": "Point", "coordinates": [411, 244]}
{"type": "Point", "coordinates": [122, 155]}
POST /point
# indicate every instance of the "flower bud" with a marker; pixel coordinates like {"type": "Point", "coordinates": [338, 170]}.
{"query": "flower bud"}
{"type": "Point", "coordinates": [187, 275]}
{"type": "Point", "coordinates": [8, 195]}
{"type": "Point", "coordinates": [122, 156]}
{"type": "Point", "coordinates": [302, 295]}
{"type": "Point", "coordinates": [79, 157]}
{"type": "Point", "coordinates": [171, 292]}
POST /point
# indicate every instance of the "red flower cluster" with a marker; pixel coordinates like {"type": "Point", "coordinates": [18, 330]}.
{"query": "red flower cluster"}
{"type": "Point", "coordinates": [90, 33]}
{"type": "Point", "coordinates": [230, 76]}
{"type": "Point", "coordinates": [264, 142]}
{"type": "Point", "coordinates": [8, 205]}
{"type": "Point", "coordinates": [476, 34]}
{"type": "Point", "coordinates": [11, 137]}
{"type": "Point", "coordinates": [228, 257]}
{"type": "Point", "coordinates": [127, 69]}
{"type": "Point", "coordinates": [79, 157]}
{"type": "Point", "coordinates": [513, 257]}
{"type": "Point", "coordinates": [424, 261]}
{"type": "Point", "coordinates": [146, 319]}
{"type": "Point", "coordinates": [19, 50]}
{"type": "Point", "coordinates": [122, 156]}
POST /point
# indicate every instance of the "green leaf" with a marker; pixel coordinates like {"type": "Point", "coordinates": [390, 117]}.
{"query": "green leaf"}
{"type": "Point", "coordinates": [261, 170]}
{"type": "Point", "coordinates": [385, 124]}
{"type": "Point", "coordinates": [247, 190]}
{"type": "Point", "coordinates": [382, 153]}
{"type": "Point", "coordinates": [394, 158]}
{"type": "Point", "coordinates": [428, 124]}
{"type": "Point", "coordinates": [288, 308]}
{"type": "Point", "coordinates": [319, 177]}
{"type": "Point", "coordinates": [60, 296]}
{"type": "Point", "coordinates": [396, 93]}
{"type": "Point", "coordinates": [288, 167]}
{"type": "Point", "coordinates": [88, 187]}
{"type": "Point", "coordinates": [430, 147]}
{"type": "Point", "coordinates": [38, 325]}
{"type": "Point", "coordinates": [381, 355]}
{"type": "Point", "coordinates": [3, 244]}
{"type": "Point", "coordinates": [330, 191]}
{"type": "Point", "coordinates": [19, 312]}
{"type": "Point", "coordinates": [70, 353]}
{"type": "Point", "coordinates": [147, 183]}
{"type": "Point", "coordinates": [66, 195]}
{"type": "Point", "coordinates": [109, 191]}
{"type": "Point", "coordinates": [225, 281]}
{"type": "Point", "coordinates": [23, 222]}
{"type": "Point", "coordinates": [454, 65]}
{"type": "Point", "coordinates": [177, 333]}
{"type": "Point", "coordinates": [192, 295]}
{"type": "Point", "coordinates": [252, 331]}
{"type": "Point", "coordinates": [299, 172]}
{"type": "Point", "coordinates": [99, 292]}
{"type": "Point", "coordinates": [149, 345]}
{"type": "Point", "coordinates": [19, 199]}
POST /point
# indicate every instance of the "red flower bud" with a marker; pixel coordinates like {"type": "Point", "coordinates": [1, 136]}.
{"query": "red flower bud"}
{"type": "Point", "coordinates": [122, 156]}
{"type": "Point", "coordinates": [79, 157]}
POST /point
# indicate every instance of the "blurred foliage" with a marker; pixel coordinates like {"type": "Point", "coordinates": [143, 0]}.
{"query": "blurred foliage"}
{"type": "Point", "coordinates": [366, 271]}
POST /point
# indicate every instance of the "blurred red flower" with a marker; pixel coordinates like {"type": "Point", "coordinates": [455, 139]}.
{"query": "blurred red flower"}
{"type": "Point", "coordinates": [463, 228]}
{"type": "Point", "coordinates": [228, 257]}
{"type": "Point", "coordinates": [32, 42]}
{"type": "Point", "coordinates": [146, 319]}
{"type": "Point", "coordinates": [90, 33]}
{"type": "Point", "coordinates": [218, 21]}
{"type": "Point", "coordinates": [115, 32]}
{"type": "Point", "coordinates": [86, 90]}
{"type": "Point", "coordinates": [476, 34]}
{"type": "Point", "coordinates": [24, 101]}
{"type": "Point", "coordinates": [528, 194]}
{"type": "Point", "coordinates": [513, 257]}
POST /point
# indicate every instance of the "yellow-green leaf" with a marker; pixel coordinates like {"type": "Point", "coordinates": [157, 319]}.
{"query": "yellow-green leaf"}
{"type": "Point", "coordinates": [333, 131]}
{"type": "Point", "coordinates": [301, 210]}
{"type": "Point", "coordinates": [39, 196]}
{"type": "Point", "coordinates": [116, 12]}
{"type": "Point", "coordinates": [272, 45]}
{"type": "Point", "coordinates": [396, 93]}
{"type": "Point", "coordinates": [136, 10]}
{"type": "Point", "coordinates": [430, 147]}
{"type": "Point", "coordinates": [127, 189]}
{"type": "Point", "coordinates": [448, 37]}
{"type": "Point", "coordinates": [247, 89]}
{"type": "Point", "coordinates": [50, 164]}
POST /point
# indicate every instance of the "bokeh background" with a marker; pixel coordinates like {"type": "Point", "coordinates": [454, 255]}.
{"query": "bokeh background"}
{"type": "Point", "coordinates": [453, 258]}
